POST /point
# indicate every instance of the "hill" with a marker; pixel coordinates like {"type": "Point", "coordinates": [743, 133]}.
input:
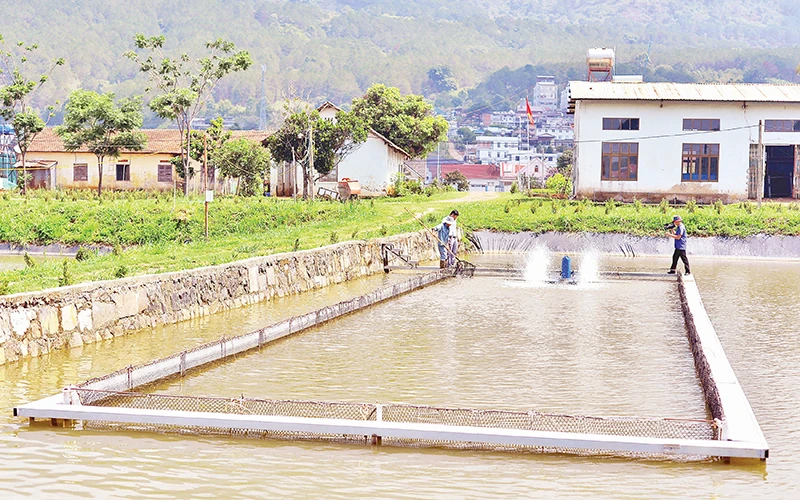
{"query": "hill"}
{"type": "Point", "coordinates": [335, 49]}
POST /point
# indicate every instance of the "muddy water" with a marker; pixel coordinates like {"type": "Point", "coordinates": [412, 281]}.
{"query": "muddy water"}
{"type": "Point", "coordinates": [518, 348]}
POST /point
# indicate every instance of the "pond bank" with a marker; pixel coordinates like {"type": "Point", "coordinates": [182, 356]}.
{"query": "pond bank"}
{"type": "Point", "coordinates": [759, 246]}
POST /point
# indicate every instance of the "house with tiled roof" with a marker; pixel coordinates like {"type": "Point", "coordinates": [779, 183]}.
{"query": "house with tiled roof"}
{"type": "Point", "coordinates": [481, 176]}
{"type": "Point", "coordinates": [52, 166]}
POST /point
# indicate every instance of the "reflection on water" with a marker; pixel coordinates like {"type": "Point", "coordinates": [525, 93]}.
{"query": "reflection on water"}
{"type": "Point", "coordinates": [471, 342]}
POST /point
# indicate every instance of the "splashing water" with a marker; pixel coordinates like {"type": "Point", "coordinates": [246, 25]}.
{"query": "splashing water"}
{"type": "Point", "coordinates": [536, 265]}
{"type": "Point", "coordinates": [589, 271]}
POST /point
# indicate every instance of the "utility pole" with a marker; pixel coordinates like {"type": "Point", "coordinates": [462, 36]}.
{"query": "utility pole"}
{"type": "Point", "coordinates": [311, 159]}
{"type": "Point", "coordinates": [760, 169]}
{"type": "Point", "coordinates": [438, 166]}
{"type": "Point", "coordinates": [205, 180]}
{"type": "Point", "coordinates": [262, 113]}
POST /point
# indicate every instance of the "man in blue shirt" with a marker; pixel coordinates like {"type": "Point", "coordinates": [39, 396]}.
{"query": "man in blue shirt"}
{"type": "Point", "coordinates": [680, 245]}
{"type": "Point", "coordinates": [443, 234]}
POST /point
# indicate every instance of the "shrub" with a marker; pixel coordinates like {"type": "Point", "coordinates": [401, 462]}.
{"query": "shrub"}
{"type": "Point", "coordinates": [121, 271]}
{"type": "Point", "coordinates": [664, 205]}
{"type": "Point", "coordinates": [718, 206]}
{"type": "Point", "coordinates": [637, 205]}
{"type": "Point", "coordinates": [334, 237]}
{"type": "Point", "coordinates": [691, 205]}
{"type": "Point", "coordinates": [66, 277]}
{"type": "Point", "coordinates": [559, 184]}
{"type": "Point", "coordinates": [82, 254]}
{"type": "Point", "coordinates": [29, 262]}
{"type": "Point", "coordinates": [610, 205]}
{"type": "Point", "coordinates": [4, 288]}
{"type": "Point", "coordinates": [296, 246]}
{"type": "Point", "coordinates": [514, 187]}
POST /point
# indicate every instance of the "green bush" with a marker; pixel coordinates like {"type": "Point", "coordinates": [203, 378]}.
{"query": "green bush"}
{"type": "Point", "coordinates": [559, 184]}
{"type": "Point", "coordinates": [82, 254]}
{"type": "Point", "coordinates": [66, 277]}
{"type": "Point", "coordinates": [121, 271]}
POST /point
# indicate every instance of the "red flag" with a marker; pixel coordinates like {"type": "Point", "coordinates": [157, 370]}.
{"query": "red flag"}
{"type": "Point", "coordinates": [528, 110]}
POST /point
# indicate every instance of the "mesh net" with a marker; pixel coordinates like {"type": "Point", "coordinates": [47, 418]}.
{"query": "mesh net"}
{"type": "Point", "coordinates": [114, 390]}
{"type": "Point", "coordinates": [464, 269]}
{"type": "Point", "coordinates": [178, 364]}
{"type": "Point", "coordinates": [481, 418]}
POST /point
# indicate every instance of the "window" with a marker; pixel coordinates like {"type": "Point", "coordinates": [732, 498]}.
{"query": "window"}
{"type": "Point", "coordinates": [80, 172]}
{"type": "Point", "coordinates": [620, 161]}
{"type": "Point", "coordinates": [620, 124]}
{"type": "Point", "coordinates": [782, 126]}
{"type": "Point", "coordinates": [700, 124]}
{"type": "Point", "coordinates": [700, 163]}
{"type": "Point", "coordinates": [165, 172]}
{"type": "Point", "coordinates": [123, 171]}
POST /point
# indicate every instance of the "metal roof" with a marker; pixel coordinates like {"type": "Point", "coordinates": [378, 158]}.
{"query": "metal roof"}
{"type": "Point", "coordinates": [664, 91]}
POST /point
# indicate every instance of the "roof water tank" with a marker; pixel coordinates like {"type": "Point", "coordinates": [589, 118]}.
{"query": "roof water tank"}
{"type": "Point", "coordinates": [600, 59]}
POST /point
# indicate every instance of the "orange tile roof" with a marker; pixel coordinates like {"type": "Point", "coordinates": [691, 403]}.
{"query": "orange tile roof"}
{"type": "Point", "coordinates": [158, 141]}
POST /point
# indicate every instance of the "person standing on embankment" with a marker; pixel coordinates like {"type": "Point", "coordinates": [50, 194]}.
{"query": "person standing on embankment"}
{"type": "Point", "coordinates": [443, 236]}
{"type": "Point", "coordinates": [680, 245]}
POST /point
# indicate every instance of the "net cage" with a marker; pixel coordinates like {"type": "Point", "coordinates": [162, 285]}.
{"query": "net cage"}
{"type": "Point", "coordinates": [663, 428]}
{"type": "Point", "coordinates": [459, 428]}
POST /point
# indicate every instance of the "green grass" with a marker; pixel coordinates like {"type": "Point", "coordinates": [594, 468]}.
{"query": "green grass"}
{"type": "Point", "coordinates": [156, 233]}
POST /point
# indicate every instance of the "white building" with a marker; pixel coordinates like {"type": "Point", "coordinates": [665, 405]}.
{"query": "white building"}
{"type": "Point", "coordinates": [545, 92]}
{"type": "Point", "coordinates": [374, 164]}
{"type": "Point", "coordinates": [673, 140]}
{"type": "Point", "coordinates": [494, 149]}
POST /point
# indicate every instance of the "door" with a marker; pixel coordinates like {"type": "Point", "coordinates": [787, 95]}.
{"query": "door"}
{"type": "Point", "coordinates": [779, 172]}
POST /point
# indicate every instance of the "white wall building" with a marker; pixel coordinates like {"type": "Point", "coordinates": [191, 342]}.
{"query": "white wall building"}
{"type": "Point", "coordinates": [545, 92]}
{"type": "Point", "coordinates": [684, 141]}
{"type": "Point", "coordinates": [374, 164]}
{"type": "Point", "coordinates": [494, 149]}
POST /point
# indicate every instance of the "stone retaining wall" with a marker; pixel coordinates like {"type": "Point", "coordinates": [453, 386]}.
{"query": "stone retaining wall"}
{"type": "Point", "coordinates": [32, 324]}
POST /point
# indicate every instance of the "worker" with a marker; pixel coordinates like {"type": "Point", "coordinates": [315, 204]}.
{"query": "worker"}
{"type": "Point", "coordinates": [452, 240]}
{"type": "Point", "coordinates": [443, 235]}
{"type": "Point", "coordinates": [680, 245]}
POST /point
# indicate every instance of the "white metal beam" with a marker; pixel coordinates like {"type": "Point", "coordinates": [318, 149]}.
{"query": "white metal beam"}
{"type": "Point", "coordinates": [50, 408]}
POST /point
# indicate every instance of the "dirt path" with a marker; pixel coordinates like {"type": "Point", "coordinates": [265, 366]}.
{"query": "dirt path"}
{"type": "Point", "coordinates": [470, 196]}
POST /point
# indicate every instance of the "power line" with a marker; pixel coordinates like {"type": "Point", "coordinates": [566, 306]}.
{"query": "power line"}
{"type": "Point", "coordinates": [666, 136]}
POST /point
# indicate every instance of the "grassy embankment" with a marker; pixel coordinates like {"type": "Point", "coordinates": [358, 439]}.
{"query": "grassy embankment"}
{"type": "Point", "coordinates": [152, 234]}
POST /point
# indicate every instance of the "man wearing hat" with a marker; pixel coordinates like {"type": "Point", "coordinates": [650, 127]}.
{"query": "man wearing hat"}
{"type": "Point", "coordinates": [680, 245]}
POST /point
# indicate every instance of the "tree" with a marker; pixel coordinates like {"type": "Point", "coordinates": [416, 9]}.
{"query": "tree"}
{"type": "Point", "coordinates": [93, 121]}
{"type": "Point", "coordinates": [564, 163]}
{"type": "Point", "coordinates": [441, 79]}
{"type": "Point", "coordinates": [246, 160]}
{"type": "Point", "coordinates": [457, 178]}
{"type": "Point", "coordinates": [185, 84]}
{"type": "Point", "coordinates": [15, 93]}
{"type": "Point", "coordinates": [408, 121]}
{"type": "Point", "coordinates": [466, 135]}
{"type": "Point", "coordinates": [333, 140]}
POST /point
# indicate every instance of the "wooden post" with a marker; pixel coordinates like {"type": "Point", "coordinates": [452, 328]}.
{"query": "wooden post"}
{"type": "Point", "coordinates": [311, 160]}
{"type": "Point", "coordinates": [760, 169]}
{"type": "Point", "coordinates": [205, 180]}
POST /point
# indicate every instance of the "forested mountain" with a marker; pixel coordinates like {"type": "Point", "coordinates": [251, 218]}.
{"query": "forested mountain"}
{"type": "Point", "coordinates": [475, 50]}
